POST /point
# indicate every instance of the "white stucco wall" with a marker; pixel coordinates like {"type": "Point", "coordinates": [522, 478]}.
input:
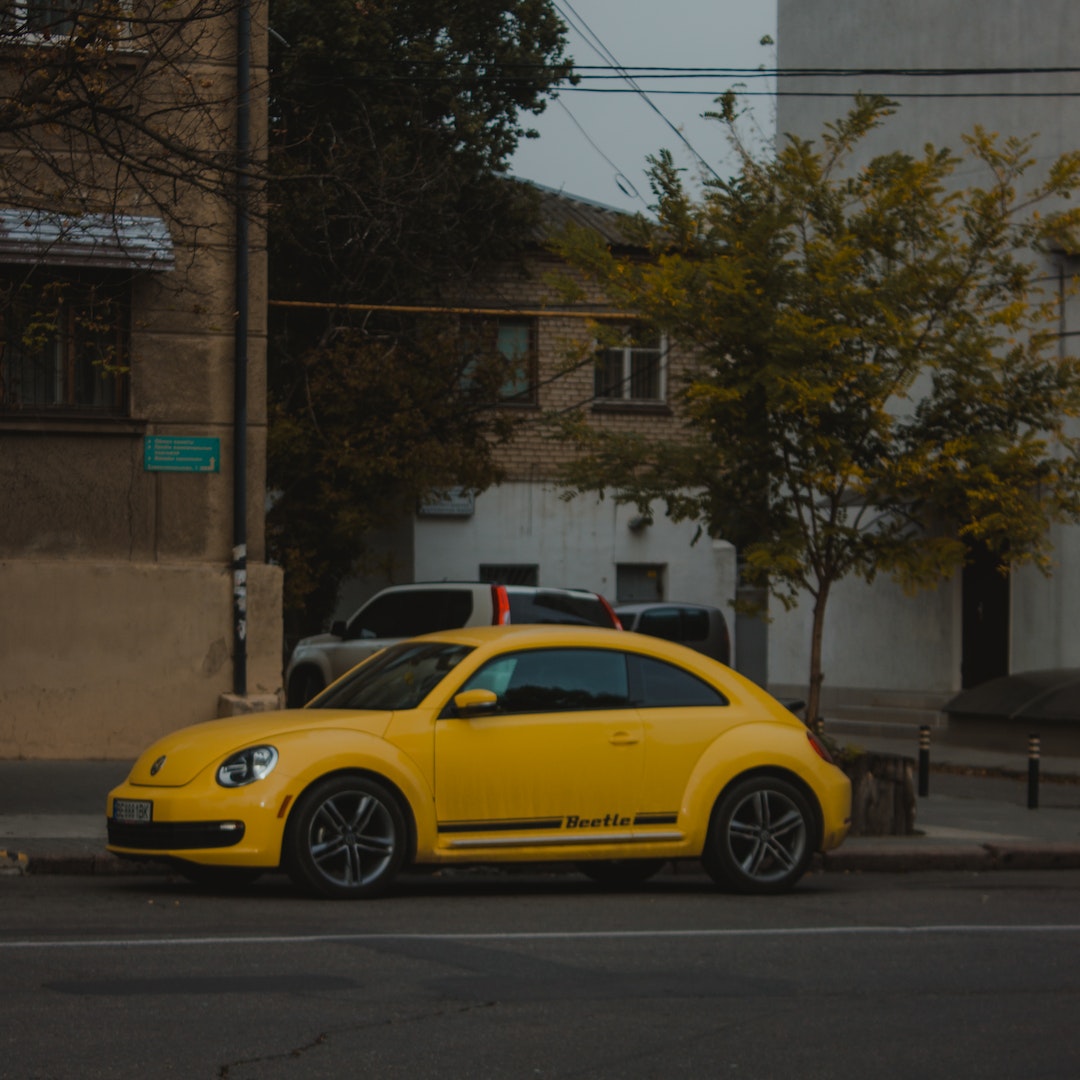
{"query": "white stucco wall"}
{"type": "Point", "coordinates": [574, 544]}
{"type": "Point", "coordinates": [876, 637]}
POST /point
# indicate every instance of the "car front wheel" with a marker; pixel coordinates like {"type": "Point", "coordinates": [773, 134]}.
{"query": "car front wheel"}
{"type": "Point", "coordinates": [346, 839]}
{"type": "Point", "coordinates": [760, 836]}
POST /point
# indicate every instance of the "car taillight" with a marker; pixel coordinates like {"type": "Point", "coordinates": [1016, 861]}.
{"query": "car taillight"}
{"type": "Point", "coordinates": [819, 747]}
{"type": "Point", "coordinates": [500, 606]}
{"type": "Point", "coordinates": [615, 621]}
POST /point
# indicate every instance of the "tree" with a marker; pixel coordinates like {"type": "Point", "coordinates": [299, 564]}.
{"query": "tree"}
{"type": "Point", "coordinates": [877, 385]}
{"type": "Point", "coordinates": [392, 125]}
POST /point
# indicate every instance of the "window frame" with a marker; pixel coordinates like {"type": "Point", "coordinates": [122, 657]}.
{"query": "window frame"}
{"type": "Point", "coordinates": [608, 392]}
{"type": "Point", "coordinates": [519, 391]}
{"type": "Point", "coordinates": [74, 355]}
{"type": "Point", "coordinates": [17, 17]}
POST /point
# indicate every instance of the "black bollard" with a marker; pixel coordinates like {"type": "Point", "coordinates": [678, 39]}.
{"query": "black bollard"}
{"type": "Point", "coordinates": [924, 761]}
{"type": "Point", "coordinates": [1033, 772]}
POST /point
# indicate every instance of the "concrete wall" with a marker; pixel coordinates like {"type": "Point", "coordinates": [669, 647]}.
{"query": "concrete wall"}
{"type": "Point", "coordinates": [102, 657]}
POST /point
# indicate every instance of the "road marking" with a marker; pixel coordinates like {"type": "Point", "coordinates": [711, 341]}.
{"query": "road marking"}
{"type": "Point", "coordinates": [583, 935]}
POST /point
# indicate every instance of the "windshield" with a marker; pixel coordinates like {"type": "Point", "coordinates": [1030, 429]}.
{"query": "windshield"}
{"type": "Point", "coordinates": [399, 677]}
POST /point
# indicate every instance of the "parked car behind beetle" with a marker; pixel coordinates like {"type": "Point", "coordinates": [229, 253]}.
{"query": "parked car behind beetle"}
{"type": "Point", "coordinates": [697, 626]}
{"type": "Point", "coordinates": [404, 611]}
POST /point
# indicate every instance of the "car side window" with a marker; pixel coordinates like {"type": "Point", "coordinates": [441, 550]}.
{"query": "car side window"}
{"type": "Point", "coordinates": [662, 685]}
{"type": "Point", "coordinates": [695, 624]}
{"type": "Point", "coordinates": [556, 680]}
{"type": "Point", "coordinates": [663, 623]}
{"type": "Point", "coordinates": [412, 612]}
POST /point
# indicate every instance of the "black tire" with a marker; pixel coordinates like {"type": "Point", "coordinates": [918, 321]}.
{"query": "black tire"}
{"type": "Point", "coordinates": [304, 684]}
{"type": "Point", "coordinates": [761, 836]}
{"type": "Point", "coordinates": [221, 878]}
{"type": "Point", "coordinates": [346, 839]}
{"type": "Point", "coordinates": [621, 873]}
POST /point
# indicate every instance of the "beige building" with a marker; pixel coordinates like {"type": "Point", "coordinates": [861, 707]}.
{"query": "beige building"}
{"type": "Point", "coordinates": [126, 607]}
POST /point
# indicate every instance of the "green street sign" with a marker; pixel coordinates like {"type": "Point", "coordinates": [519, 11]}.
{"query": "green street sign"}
{"type": "Point", "coordinates": [166, 453]}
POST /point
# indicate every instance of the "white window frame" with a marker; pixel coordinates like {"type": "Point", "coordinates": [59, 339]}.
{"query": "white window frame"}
{"type": "Point", "coordinates": [627, 353]}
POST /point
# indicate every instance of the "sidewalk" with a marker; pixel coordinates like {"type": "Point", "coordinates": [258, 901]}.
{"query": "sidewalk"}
{"type": "Point", "coordinates": [975, 817]}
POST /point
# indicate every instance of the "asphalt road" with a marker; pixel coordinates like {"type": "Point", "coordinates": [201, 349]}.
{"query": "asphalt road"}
{"type": "Point", "coordinates": [491, 976]}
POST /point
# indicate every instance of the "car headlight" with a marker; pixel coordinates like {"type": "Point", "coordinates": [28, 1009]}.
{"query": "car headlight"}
{"type": "Point", "coordinates": [247, 766]}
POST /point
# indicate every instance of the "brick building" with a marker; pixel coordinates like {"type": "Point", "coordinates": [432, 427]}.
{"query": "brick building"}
{"type": "Point", "coordinates": [522, 531]}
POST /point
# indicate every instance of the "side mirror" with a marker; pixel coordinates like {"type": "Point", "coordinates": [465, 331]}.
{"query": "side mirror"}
{"type": "Point", "coordinates": [476, 702]}
{"type": "Point", "coordinates": [337, 628]}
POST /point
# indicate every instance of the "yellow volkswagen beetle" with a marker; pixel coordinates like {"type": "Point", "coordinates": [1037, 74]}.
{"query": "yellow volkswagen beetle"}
{"type": "Point", "coordinates": [612, 750]}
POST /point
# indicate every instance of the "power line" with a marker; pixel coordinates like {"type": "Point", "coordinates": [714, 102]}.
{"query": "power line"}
{"type": "Point", "coordinates": [625, 185]}
{"type": "Point", "coordinates": [601, 49]}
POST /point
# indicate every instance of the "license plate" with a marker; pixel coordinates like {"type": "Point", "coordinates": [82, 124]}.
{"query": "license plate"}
{"type": "Point", "coordinates": [133, 810]}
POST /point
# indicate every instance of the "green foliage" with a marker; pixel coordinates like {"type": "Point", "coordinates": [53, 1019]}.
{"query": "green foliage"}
{"type": "Point", "coordinates": [877, 383]}
{"type": "Point", "coordinates": [391, 127]}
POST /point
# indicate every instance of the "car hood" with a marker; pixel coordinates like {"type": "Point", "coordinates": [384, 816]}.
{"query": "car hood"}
{"type": "Point", "coordinates": [190, 750]}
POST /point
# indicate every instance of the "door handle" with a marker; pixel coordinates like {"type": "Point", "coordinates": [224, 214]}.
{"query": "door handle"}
{"type": "Point", "coordinates": [624, 738]}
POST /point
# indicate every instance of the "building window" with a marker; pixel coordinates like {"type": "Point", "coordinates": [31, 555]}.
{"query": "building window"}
{"type": "Point", "coordinates": [64, 343]}
{"type": "Point", "coordinates": [513, 340]}
{"type": "Point", "coordinates": [637, 583]}
{"type": "Point", "coordinates": [634, 371]}
{"type": "Point", "coordinates": [510, 573]}
{"type": "Point", "coordinates": [54, 20]}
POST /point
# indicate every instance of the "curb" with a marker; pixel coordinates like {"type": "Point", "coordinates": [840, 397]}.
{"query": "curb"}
{"type": "Point", "coordinates": [911, 858]}
{"type": "Point", "coordinates": [896, 858]}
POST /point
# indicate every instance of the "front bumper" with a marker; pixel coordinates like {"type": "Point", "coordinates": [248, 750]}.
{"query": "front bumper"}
{"type": "Point", "coordinates": [203, 823]}
{"type": "Point", "coordinates": [174, 835]}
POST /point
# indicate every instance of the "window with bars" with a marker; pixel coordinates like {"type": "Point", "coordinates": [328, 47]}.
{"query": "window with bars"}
{"type": "Point", "coordinates": [510, 573]}
{"type": "Point", "coordinates": [64, 343]}
{"type": "Point", "coordinates": [634, 371]}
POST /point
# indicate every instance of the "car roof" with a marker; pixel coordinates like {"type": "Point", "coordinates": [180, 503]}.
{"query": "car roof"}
{"type": "Point", "coordinates": [683, 605]}
{"type": "Point", "coordinates": [559, 635]}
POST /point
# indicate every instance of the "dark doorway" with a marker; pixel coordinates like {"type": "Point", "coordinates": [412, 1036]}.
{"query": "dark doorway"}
{"type": "Point", "coordinates": [985, 646]}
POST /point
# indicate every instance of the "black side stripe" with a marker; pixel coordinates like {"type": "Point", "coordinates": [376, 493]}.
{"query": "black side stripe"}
{"type": "Point", "coordinates": [501, 826]}
{"type": "Point", "coordinates": [656, 819]}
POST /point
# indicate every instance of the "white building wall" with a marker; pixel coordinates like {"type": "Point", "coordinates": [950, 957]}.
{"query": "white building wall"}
{"type": "Point", "coordinates": [880, 644]}
{"type": "Point", "coordinates": [574, 544]}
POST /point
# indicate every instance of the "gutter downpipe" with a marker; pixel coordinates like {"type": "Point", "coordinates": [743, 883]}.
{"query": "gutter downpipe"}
{"type": "Point", "coordinates": [240, 366]}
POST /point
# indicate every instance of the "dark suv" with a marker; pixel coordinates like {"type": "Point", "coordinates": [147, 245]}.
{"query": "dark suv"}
{"type": "Point", "coordinates": [404, 611]}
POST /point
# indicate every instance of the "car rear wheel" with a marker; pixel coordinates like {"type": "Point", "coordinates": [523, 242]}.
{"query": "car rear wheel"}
{"type": "Point", "coordinates": [760, 836]}
{"type": "Point", "coordinates": [621, 873]}
{"type": "Point", "coordinates": [346, 838]}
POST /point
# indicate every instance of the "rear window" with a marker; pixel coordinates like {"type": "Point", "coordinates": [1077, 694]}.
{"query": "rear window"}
{"type": "Point", "coordinates": [412, 612]}
{"type": "Point", "coordinates": [676, 624]}
{"type": "Point", "coordinates": [556, 607]}
{"type": "Point", "coordinates": [663, 685]}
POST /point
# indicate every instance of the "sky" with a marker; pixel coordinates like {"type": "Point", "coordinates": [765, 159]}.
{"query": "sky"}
{"type": "Point", "coordinates": [595, 144]}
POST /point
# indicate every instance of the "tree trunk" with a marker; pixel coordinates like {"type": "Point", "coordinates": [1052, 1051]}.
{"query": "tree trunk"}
{"type": "Point", "coordinates": [813, 696]}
